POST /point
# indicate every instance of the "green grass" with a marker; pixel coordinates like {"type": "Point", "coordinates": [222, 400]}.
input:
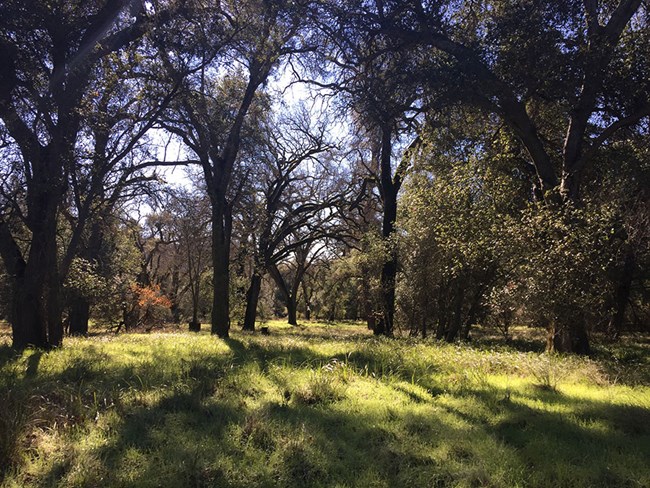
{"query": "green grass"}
{"type": "Point", "coordinates": [319, 405]}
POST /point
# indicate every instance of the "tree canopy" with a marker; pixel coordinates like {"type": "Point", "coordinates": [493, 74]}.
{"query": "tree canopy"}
{"type": "Point", "coordinates": [427, 166]}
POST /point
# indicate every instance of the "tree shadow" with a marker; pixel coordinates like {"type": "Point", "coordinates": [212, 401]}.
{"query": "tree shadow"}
{"type": "Point", "coordinates": [194, 428]}
{"type": "Point", "coordinates": [8, 354]}
{"type": "Point", "coordinates": [603, 443]}
{"type": "Point", "coordinates": [268, 353]}
{"type": "Point", "coordinates": [33, 362]}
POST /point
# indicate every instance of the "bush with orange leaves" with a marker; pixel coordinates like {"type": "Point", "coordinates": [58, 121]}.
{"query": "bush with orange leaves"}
{"type": "Point", "coordinates": [150, 305]}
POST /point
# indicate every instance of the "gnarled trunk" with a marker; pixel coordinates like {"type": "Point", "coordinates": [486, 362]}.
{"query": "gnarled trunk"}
{"type": "Point", "coordinates": [36, 310]}
{"type": "Point", "coordinates": [28, 316]}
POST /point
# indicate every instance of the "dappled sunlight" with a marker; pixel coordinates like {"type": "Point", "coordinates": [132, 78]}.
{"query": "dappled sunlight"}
{"type": "Point", "coordinates": [408, 248]}
{"type": "Point", "coordinates": [300, 409]}
{"type": "Point", "coordinates": [552, 431]}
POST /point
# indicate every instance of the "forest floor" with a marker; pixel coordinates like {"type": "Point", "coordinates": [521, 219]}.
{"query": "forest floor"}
{"type": "Point", "coordinates": [321, 405]}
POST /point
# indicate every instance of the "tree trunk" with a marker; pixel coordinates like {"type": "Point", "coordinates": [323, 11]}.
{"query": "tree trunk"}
{"type": "Point", "coordinates": [622, 297]}
{"type": "Point", "coordinates": [568, 338]}
{"type": "Point", "coordinates": [37, 312]}
{"type": "Point", "coordinates": [36, 315]}
{"type": "Point", "coordinates": [79, 306]}
{"type": "Point", "coordinates": [457, 318]}
{"type": "Point", "coordinates": [54, 313]}
{"type": "Point", "coordinates": [307, 301]}
{"type": "Point", "coordinates": [221, 276]}
{"type": "Point", "coordinates": [331, 315]}
{"type": "Point", "coordinates": [130, 316]}
{"type": "Point", "coordinates": [28, 317]}
{"type": "Point", "coordinates": [79, 315]}
{"type": "Point", "coordinates": [473, 313]}
{"type": "Point", "coordinates": [389, 190]}
{"type": "Point", "coordinates": [195, 325]}
{"type": "Point", "coordinates": [388, 275]}
{"type": "Point", "coordinates": [252, 297]}
{"type": "Point", "coordinates": [292, 310]}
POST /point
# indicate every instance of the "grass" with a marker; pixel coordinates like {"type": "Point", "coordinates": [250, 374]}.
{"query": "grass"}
{"type": "Point", "coordinates": [320, 405]}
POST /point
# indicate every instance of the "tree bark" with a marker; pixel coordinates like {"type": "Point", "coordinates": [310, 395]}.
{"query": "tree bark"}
{"type": "Point", "coordinates": [252, 298]}
{"type": "Point", "coordinates": [307, 295]}
{"type": "Point", "coordinates": [195, 325]}
{"type": "Point", "coordinates": [389, 190]}
{"type": "Point", "coordinates": [80, 306]}
{"type": "Point", "coordinates": [474, 311]}
{"type": "Point", "coordinates": [79, 315]}
{"type": "Point", "coordinates": [27, 316]}
{"type": "Point", "coordinates": [457, 318]}
{"type": "Point", "coordinates": [384, 326]}
{"type": "Point", "coordinates": [569, 337]}
{"type": "Point", "coordinates": [221, 275]}
{"type": "Point", "coordinates": [290, 290]}
{"type": "Point", "coordinates": [622, 296]}
{"type": "Point", "coordinates": [37, 311]}
{"type": "Point", "coordinates": [292, 310]}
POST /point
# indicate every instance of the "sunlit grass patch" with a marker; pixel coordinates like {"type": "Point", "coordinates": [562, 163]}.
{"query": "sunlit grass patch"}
{"type": "Point", "coordinates": [310, 407]}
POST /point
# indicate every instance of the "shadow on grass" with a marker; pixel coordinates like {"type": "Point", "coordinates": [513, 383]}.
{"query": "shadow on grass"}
{"type": "Point", "coordinates": [565, 439]}
{"type": "Point", "coordinates": [194, 424]}
{"type": "Point", "coordinates": [155, 445]}
{"type": "Point", "coordinates": [185, 442]}
{"type": "Point", "coordinates": [8, 354]}
{"type": "Point", "coordinates": [189, 440]}
{"type": "Point", "coordinates": [269, 353]}
{"type": "Point", "coordinates": [327, 331]}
